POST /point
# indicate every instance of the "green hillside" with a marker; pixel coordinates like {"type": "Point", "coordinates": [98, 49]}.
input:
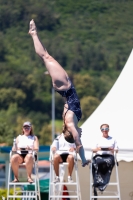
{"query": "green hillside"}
{"type": "Point", "coordinates": [91, 39]}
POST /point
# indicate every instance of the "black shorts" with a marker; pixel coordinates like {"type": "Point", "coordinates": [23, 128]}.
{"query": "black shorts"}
{"type": "Point", "coordinates": [64, 157]}
{"type": "Point", "coordinates": [23, 154]}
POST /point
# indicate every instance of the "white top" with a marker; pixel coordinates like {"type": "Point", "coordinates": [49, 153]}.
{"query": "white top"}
{"type": "Point", "coordinates": [62, 145]}
{"type": "Point", "coordinates": [24, 141]}
{"type": "Point", "coordinates": [108, 142]}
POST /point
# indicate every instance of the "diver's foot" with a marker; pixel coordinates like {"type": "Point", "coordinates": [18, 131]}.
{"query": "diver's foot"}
{"type": "Point", "coordinates": [32, 28]}
{"type": "Point", "coordinates": [86, 163]}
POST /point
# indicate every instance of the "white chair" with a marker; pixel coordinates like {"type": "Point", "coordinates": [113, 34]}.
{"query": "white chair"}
{"type": "Point", "coordinates": [23, 189]}
{"type": "Point", "coordinates": [111, 194]}
{"type": "Point", "coordinates": [56, 190]}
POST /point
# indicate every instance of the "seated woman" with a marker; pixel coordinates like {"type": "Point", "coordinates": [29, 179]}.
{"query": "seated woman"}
{"type": "Point", "coordinates": [63, 148]}
{"type": "Point", "coordinates": [25, 144]}
{"type": "Point", "coordinates": [103, 161]}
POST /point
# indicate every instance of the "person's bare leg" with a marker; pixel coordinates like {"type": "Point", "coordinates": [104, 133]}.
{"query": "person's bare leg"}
{"type": "Point", "coordinates": [16, 160]}
{"type": "Point", "coordinates": [57, 161]}
{"type": "Point", "coordinates": [70, 161]}
{"type": "Point", "coordinates": [58, 74]}
{"type": "Point", "coordinates": [29, 166]}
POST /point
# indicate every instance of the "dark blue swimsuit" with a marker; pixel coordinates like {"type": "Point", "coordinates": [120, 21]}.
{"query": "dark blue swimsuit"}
{"type": "Point", "coordinates": [72, 101]}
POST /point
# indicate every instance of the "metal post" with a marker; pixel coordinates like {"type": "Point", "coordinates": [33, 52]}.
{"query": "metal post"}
{"type": "Point", "coordinates": [53, 113]}
{"type": "Point", "coordinates": [6, 172]}
{"type": "Point", "coordinates": [53, 110]}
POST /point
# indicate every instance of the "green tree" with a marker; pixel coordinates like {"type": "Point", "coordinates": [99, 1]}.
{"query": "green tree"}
{"type": "Point", "coordinates": [88, 105]}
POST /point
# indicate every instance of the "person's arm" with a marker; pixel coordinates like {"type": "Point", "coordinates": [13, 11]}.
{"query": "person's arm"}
{"type": "Point", "coordinates": [55, 144]}
{"type": "Point", "coordinates": [116, 148]}
{"type": "Point", "coordinates": [53, 147]}
{"type": "Point", "coordinates": [36, 144]}
{"type": "Point", "coordinates": [95, 150]}
{"type": "Point", "coordinates": [71, 149]}
{"type": "Point", "coordinates": [14, 148]}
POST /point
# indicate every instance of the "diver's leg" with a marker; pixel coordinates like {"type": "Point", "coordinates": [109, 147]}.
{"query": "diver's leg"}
{"type": "Point", "coordinates": [58, 74]}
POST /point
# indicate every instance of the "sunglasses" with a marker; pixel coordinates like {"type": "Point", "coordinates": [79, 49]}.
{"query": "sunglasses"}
{"type": "Point", "coordinates": [26, 127]}
{"type": "Point", "coordinates": [105, 129]}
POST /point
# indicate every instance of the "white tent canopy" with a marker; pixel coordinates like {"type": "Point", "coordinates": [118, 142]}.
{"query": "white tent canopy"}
{"type": "Point", "coordinates": [116, 110]}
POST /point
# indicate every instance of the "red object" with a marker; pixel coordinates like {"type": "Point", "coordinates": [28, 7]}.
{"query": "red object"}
{"type": "Point", "coordinates": [65, 193]}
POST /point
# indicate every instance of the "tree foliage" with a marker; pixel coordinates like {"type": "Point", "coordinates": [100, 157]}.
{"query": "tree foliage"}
{"type": "Point", "coordinates": [90, 39]}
